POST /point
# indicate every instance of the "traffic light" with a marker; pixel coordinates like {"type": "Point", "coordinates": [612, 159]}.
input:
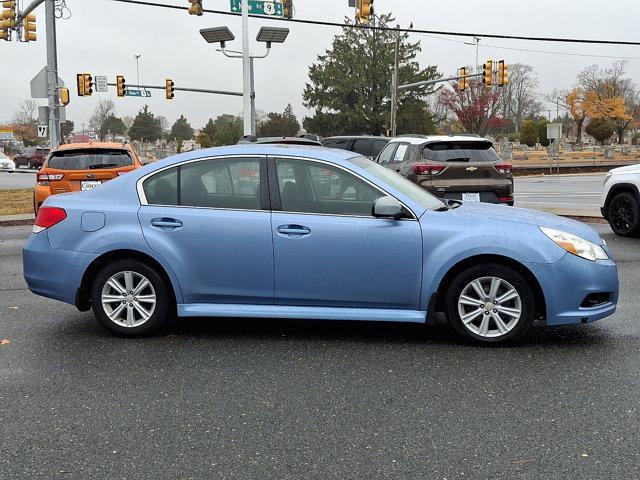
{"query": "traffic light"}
{"type": "Point", "coordinates": [287, 8]}
{"type": "Point", "coordinates": [85, 84]}
{"type": "Point", "coordinates": [7, 18]}
{"type": "Point", "coordinates": [169, 89]}
{"type": "Point", "coordinates": [121, 86]}
{"type": "Point", "coordinates": [487, 79]}
{"type": "Point", "coordinates": [64, 96]}
{"type": "Point", "coordinates": [463, 81]}
{"type": "Point", "coordinates": [503, 73]}
{"type": "Point", "coordinates": [196, 7]}
{"type": "Point", "coordinates": [365, 11]}
{"type": "Point", "coordinates": [29, 26]}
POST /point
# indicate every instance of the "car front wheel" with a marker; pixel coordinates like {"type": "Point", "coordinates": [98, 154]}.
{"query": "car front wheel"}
{"type": "Point", "coordinates": [130, 298]}
{"type": "Point", "coordinates": [624, 215]}
{"type": "Point", "coordinates": [490, 304]}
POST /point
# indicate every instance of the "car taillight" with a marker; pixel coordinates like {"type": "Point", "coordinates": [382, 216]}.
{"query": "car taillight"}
{"type": "Point", "coordinates": [43, 179]}
{"type": "Point", "coordinates": [47, 217]}
{"type": "Point", "coordinates": [505, 199]}
{"type": "Point", "coordinates": [503, 167]}
{"type": "Point", "coordinates": [427, 169]}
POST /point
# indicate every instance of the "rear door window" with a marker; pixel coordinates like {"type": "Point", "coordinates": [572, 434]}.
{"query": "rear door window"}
{"type": "Point", "coordinates": [89, 159]}
{"type": "Point", "coordinates": [378, 145]}
{"type": "Point", "coordinates": [460, 151]}
{"type": "Point", "coordinates": [387, 154]}
{"type": "Point", "coordinates": [363, 146]}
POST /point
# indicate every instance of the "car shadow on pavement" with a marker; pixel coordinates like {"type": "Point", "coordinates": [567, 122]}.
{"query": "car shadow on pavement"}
{"type": "Point", "coordinates": [578, 336]}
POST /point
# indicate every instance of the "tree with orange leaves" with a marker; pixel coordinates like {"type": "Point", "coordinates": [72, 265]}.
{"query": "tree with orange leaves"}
{"type": "Point", "coordinates": [575, 102]}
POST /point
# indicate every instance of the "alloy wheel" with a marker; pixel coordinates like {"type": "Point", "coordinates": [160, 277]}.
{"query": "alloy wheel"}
{"type": "Point", "coordinates": [622, 214]}
{"type": "Point", "coordinates": [489, 307]}
{"type": "Point", "coordinates": [128, 298]}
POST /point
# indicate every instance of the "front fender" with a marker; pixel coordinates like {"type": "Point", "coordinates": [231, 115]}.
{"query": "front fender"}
{"type": "Point", "coordinates": [443, 249]}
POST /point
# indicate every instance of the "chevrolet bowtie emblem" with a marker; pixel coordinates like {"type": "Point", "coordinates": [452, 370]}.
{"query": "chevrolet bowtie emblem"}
{"type": "Point", "coordinates": [471, 169]}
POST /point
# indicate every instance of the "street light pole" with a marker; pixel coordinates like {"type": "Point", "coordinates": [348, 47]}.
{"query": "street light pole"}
{"type": "Point", "coordinates": [52, 74]}
{"type": "Point", "coordinates": [138, 55]}
{"type": "Point", "coordinates": [246, 69]}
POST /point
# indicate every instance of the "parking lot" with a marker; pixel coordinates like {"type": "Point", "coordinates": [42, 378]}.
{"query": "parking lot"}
{"type": "Point", "coordinates": [301, 399]}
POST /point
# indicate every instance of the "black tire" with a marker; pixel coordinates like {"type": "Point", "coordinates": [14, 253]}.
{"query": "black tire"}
{"type": "Point", "coordinates": [624, 215]}
{"type": "Point", "coordinates": [511, 278]}
{"type": "Point", "coordinates": [164, 306]}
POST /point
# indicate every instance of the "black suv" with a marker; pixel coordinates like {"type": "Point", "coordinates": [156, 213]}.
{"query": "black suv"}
{"type": "Point", "coordinates": [367, 146]}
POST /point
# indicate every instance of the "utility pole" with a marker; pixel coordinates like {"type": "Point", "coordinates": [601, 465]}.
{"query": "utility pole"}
{"type": "Point", "coordinates": [394, 87]}
{"type": "Point", "coordinates": [52, 74]}
{"type": "Point", "coordinates": [246, 69]}
{"type": "Point", "coordinates": [477, 39]}
{"type": "Point", "coordinates": [253, 99]}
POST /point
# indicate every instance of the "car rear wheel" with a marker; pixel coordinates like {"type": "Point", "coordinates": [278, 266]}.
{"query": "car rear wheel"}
{"type": "Point", "coordinates": [624, 215]}
{"type": "Point", "coordinates": [130, 298]}
{"type": "Point", "coordinates": [490, 304]}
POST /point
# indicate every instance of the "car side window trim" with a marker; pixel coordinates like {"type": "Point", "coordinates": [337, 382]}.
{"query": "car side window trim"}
{"type": "Point", "coordinates": [264, 188]}
{"type": "Point", "coordinates": [276, 202]}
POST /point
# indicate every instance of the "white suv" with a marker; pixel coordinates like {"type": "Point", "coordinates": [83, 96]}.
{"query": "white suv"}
{"type": "Point", "coordinates": [621, 200]}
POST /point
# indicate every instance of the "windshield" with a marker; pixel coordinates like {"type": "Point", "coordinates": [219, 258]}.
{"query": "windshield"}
{"type": "Point", "coordinates": [406, 187]}
{"type": "Point", "coordinates": [471, 151]}
{"type": "Point", "coordinates": [89, 159]}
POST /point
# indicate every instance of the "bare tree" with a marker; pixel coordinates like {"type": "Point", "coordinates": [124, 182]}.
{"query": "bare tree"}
{"type": "Point", "coordinates": [24, 122]}
{"type": "Point", "coordinates": [518, 97]}
{"type": "Point", "coordinates": [25, 114]}
{"type": "Point", "coordinates": [103, 110]}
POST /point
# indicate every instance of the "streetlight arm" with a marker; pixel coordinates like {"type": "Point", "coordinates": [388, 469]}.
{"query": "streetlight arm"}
{"type": "Point", "coordinates": [237, 54]}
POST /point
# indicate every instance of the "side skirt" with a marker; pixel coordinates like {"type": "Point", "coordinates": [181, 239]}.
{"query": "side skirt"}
{"type": "Point", "coordinates": [284, 311]}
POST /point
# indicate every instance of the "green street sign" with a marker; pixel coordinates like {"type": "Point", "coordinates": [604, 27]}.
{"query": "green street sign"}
{"type": "Point", "coordinates": [259, 7]}
{"type": "Point", "coordinates": [135, 92]}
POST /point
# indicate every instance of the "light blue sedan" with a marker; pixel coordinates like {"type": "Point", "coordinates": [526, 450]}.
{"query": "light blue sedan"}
{"type": "Point", "coordinates": [303, 232]}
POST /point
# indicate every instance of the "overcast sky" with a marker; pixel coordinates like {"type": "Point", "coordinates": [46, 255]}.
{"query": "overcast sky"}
{"type": "Point", "coordinates": [102, 37]}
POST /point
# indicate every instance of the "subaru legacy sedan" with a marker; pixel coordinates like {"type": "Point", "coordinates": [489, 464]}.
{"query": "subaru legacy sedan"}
{"type": "Point", "coordinates": [277, 231]}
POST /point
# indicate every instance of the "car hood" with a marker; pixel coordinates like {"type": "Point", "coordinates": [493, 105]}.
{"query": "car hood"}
{"type": "Point", "coordinates": [489, 212]}
{"type": "Point", "coordinates": [627, 169]}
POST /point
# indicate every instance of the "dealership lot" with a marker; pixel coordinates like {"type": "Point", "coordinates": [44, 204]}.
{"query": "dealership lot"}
{"type": "Point", "coordinates": [291, 399]}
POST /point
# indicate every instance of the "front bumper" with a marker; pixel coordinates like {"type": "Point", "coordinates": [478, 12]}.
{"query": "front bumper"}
{"type": "Point", "coordinates": [567, 283]}
{"type": "Point", "coordinates": [53, 273]}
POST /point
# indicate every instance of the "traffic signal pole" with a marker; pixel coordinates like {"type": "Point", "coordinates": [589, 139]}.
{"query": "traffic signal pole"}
{"type": "Point", "coordinates": [52, 74]}
{"type": "Point", "coordinates": [246, 70]}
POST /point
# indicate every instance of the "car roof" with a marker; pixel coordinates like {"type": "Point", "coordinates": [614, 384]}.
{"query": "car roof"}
{"type": "Point", "coordinates": [305, 151]}
{"type": "Point", "coordinates": [421, 140]}
{"type": "Point", "coordinates": [357, 137]}
{"type": "Point", "coordinates": [90, 145]}
{"type": "Point", "coordinates": [282, 140]}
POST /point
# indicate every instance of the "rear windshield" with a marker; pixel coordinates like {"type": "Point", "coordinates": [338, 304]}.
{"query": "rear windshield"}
{"type": "Point", "coordinates": [89, 159]}
{"type": "Point", "coordinates": [472, 151]}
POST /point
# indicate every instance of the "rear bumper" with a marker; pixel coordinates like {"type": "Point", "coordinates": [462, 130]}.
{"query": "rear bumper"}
{"type": "Point", "coordinates": [53, 273]}
{"type": "Point", "coordinates": [567, 282]}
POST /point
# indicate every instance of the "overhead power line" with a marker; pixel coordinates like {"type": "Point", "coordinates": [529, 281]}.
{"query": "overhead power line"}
{"type": "Point", "coordinates": [407, 30]}
{"type": "Point", "coordinates": [485, 45]}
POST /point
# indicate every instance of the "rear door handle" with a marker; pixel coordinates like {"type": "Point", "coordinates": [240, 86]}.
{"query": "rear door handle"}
{"type": "Point", "coordinates": [166, 223]}
{"type": "Point", "coordinates": [293, 230]}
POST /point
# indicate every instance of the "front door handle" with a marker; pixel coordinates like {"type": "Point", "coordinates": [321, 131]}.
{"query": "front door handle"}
{"type": "Point", "coordinates": [166, 223]}
{"type": "Point", "coordinates": [293, 230]}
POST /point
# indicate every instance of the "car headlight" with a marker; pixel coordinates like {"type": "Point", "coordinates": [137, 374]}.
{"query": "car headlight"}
{"type": "Point", "coordinates": [576, 245]}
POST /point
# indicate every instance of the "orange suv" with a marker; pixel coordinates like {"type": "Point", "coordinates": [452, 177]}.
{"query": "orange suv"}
{"type": "Point", "coordinates": [82, 166]}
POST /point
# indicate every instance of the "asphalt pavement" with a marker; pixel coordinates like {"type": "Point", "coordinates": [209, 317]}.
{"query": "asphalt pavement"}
{"type": "Point", "coordinates": [561, 194]}
{"type": "Point", "coordinates": [20, 179]}
{"type": "Point", "coordinates": [218, 398]}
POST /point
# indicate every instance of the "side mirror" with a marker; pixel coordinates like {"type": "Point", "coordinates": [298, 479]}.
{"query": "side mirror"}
{"type": "Point", "coordinates": [387, 207]}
